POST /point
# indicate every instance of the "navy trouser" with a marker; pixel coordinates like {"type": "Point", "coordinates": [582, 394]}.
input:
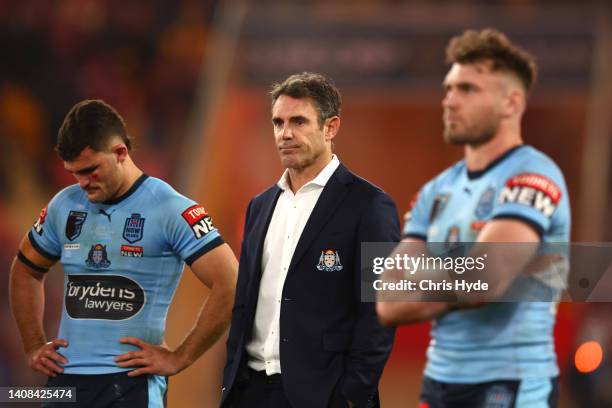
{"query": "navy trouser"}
{"type": "Point", "coordinates": [528, 393]}
{"type": "Point", "coordinates": [115, 390]}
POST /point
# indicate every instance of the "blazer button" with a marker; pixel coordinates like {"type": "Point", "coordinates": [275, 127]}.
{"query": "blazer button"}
{"type": "Point", "coordinates": [284, 340]}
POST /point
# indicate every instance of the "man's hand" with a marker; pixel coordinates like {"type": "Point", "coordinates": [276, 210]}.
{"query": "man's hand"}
{"type": "Point", "coordinates": [45, 358]}
{"type": "Point", "coordinates": [150, 359]}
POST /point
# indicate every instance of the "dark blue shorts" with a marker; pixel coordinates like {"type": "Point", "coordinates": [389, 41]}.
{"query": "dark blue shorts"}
{"type": "Point", "coordinates": [529, 393]}
{"type": "Point", "coordinates": [115, 390]}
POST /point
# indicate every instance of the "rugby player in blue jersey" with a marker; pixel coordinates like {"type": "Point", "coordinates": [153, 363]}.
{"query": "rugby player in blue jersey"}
{"type": "Point", "coordinates": [123, 239]}
{"type": "Point", "coordinates": [503, 191]}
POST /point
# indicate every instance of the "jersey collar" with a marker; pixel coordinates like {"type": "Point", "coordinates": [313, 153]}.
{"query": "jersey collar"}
{"type": "Point", "coordinates": [128, 193]}
{"type": "Point", "coordinates": [472, 175]}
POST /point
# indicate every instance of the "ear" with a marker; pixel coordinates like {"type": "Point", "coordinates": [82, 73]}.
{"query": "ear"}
{"type": "Point", "coordinates": [331, 127]}
{"type": "Point", "coordinates": [514, 103]}
{"type": "Point", "coordinates": [120, 151]}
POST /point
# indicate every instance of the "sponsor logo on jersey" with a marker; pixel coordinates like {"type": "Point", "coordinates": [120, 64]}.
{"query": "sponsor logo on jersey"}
{"type": "Point", "coordinates": [106, 297]}
{"type": "Point", "coordinates": [133, 229]}
{"type": "Point", "coordinates": [533, 190]}
{"type": "Point", "coordinates": [74, 224]}
{"type": "Point", "coordinates": [499, 396]}
{"type": "Point", "coordinates": [485, 204]}
{"type": "Point", "coordinates": [97, 257]}
{"type": "Point", "coordinates": [199, 220]}
{"type": "Point", "coordinates": [38, 225]}
{"type": "Point", "coordinates": [329, 261]}
{"type": "Point", "coordinates": [439, 204]}
{"type": "Point", "coordinates": [132, 251]}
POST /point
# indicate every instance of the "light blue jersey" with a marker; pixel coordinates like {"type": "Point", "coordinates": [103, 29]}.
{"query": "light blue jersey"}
{"type": "Point", "coordinates": [499, 340]}
{"type": "Point", "coordinates": [122, 262]}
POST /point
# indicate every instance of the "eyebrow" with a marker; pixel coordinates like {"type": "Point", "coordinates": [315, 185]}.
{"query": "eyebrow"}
{"type": "Point", "coordinates": [277, 120]}
{"type": "Point", "coordinates": [460, 85]}
{"type": "Point", "coordinates": [86, 170]}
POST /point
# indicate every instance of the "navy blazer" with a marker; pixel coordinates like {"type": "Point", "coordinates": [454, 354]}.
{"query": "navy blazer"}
{"type": "Point", "coordinates": [330, 341]}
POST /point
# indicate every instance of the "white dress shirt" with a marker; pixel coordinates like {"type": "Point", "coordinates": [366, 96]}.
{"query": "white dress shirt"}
{"type": "Point", "coordinates": [291, 213]}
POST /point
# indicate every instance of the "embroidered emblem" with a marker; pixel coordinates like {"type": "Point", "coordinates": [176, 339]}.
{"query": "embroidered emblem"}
{"type": "Point", "coordinates": [97, 257]}
{"type": "Point", "coordinates": [329, 261]}
{"type": "Point", "coordinates": [133, 229]}
{"type": "Point", "coordinates": [74, 224]}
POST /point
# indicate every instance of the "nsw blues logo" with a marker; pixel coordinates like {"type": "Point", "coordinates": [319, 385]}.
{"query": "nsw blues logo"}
{"type": "Point", "coordinates": [329, 261]}
{"type": "Point", "coordinates": [485, 204]}
{"type": "Point", "coordinates": [97, 257]}
{"type": "Point", "coordinates": [133, 229]}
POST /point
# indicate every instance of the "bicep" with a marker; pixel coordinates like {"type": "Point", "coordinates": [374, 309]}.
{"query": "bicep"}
{"type": "Point", "coordinates": [508, 246]}
{"type": "Point", "coordinates": [29, 251]}
{"type": "Point", "coordinates": [508, 231]}
{"type": "Point", "coordinates": [217, 265]}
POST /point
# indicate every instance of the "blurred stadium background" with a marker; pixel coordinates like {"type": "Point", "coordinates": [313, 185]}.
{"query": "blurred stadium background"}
{"type": "Point", "coordinates": [190, 78]}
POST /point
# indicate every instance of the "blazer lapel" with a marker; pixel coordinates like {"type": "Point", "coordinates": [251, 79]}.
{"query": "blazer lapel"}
{"type": "Point", "coordinates": [334, 192]}
{"type": "Point", "coordinates": [261, 228]}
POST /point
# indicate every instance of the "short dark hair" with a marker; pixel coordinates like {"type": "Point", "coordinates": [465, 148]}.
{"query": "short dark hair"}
{"type": "Point", "coordinates": [322, 91]}
{"type": "Point", "coordinates": [90, 123]}
{"type": "Point", "coordinates": [489, 44]}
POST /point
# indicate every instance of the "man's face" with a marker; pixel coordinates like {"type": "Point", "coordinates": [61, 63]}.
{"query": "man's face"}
{"type": "Point", "coordinates": [98, 174]}
{"type": "Point", "coordinates": [472, 104]}
{"type": "Point", "coordinates": [298, 136]}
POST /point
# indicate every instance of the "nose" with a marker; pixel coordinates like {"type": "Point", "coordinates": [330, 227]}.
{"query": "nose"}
{"type": "Point", "coordinates": [83, 180]}
{"type": "Point", "coordinates": [285, 132]}
{"type": "Point", "coordinates": [450, 99]}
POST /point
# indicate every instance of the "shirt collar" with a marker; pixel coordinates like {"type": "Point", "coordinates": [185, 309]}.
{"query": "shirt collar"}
{"type": "Point", "coordinates": [320, 180]}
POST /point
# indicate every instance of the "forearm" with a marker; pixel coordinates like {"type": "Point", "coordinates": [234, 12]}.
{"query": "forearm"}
{"type": "Point", "coordinates": [213, 320]}
{"type": "Point", "coordinates": [27, 302]}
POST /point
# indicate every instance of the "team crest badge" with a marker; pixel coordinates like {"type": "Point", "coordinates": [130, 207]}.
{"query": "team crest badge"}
{"type": "Point", "coordinates": [485, 204]}
{"type": "Point", "coordinates": [329, 261]}
{"type": "Point", "coordinates": [97, 257]}
{"type": "Point", "coordinates": [74, 224]}
{"type": "Point", "coordinates": [134, 226]}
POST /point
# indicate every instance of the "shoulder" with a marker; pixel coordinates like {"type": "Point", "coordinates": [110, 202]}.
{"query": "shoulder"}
{"type": "Point", "coordinates": [264, 197]}
{"type": "Point", "coordinates": [362, 190]}
{"type": "Point", "coordinates": [161, 194]}
{"type": "Point", "coordinates": [447, 177]}
{"type": "Point", "coordinates": [529, 165]}
{"type": "Point", "coordinates": [72, 194]}
{"type": "Point", "coordinates": [531, 158]}
{"type": "Point", "coordinates": [365, 188]}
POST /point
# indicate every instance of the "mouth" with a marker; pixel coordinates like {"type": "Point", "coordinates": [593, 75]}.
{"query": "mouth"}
{"type": "Point", "coordinates": [288, 149]}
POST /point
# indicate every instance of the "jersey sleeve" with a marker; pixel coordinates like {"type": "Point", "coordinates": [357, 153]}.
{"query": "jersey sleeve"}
{"type": "Point", "coordinates": [416, 220]}
{"type": "Point", "coordinates": [190, 230]}
{"type": "Point", "coordinates": [44, 234]}
{"type": "Point", "coordinates": [531, 194]}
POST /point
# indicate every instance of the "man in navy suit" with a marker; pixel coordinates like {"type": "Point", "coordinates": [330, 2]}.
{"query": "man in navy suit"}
{"type": "Point", "coordinates": [300, 335]}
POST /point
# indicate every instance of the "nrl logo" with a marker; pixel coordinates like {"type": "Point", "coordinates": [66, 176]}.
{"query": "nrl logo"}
{"type": "Point", "coordinates": [329, 261]}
